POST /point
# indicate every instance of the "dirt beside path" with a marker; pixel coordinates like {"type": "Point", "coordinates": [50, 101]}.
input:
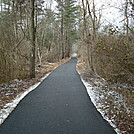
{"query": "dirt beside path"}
{"type": "Point", "coordinates": [59, 105]}
{"type": "Point", "coordinates": [114, 101]}
{"type": "Point", "coordinates": [9, 91]}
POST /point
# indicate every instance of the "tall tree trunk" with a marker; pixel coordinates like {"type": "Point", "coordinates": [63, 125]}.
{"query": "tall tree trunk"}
{"type": "Point", "coordinates": [84, 19]}
{"type": "Point", "coordinates": [92, 17]}
{"type": "Point", "coordinates": [32, 33]}
{"type": "Point", "coordinates": [67, 48]}
{"type": "Point", "coordinates": [91, 45]}
{"type": "Point", "coordinates": [94, 21]}
{"type": "Point", "coordinates": [14, 17]}
{"type": "Point", "coordinates": [62, 32]}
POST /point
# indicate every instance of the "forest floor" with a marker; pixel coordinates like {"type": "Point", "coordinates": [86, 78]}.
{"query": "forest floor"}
{"type": "Point", "coordinates": [16, 88]}
{"type": "Point", "coordinates": [114, 101]}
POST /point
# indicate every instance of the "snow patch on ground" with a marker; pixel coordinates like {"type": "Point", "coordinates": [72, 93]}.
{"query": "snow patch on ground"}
{"type": "Point", "coordinates": [9, 107]}
{"type": "Point", "coordinates": [95, 96]}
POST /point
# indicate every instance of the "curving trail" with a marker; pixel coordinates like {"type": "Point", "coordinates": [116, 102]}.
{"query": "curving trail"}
{"type": "Point", "coordinates": [59, 105]}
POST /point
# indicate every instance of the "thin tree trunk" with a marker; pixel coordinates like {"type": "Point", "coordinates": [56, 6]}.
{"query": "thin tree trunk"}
{"type": "Point", "coordinates": [84, 19]}
{"type": "Point", "coordinates": [32, 32]}
{"type": "Point", "coordinates": [126, 18]}
{"type": "Point", "coordinates": [62, 43]}
{"type": "Point", "coordinates": [94, 21]}
{"type": "Point", "coordinates": [91, 45]}
{"type": "Point", "coordinates": [93, 17]}
{"type": "Point", "coordinates": [39, 57]}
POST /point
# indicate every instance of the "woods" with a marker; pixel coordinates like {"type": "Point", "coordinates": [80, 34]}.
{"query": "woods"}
{"type": "Point", "coordinates": [33, 33]}
{"type": "Point", "coordinates": [36, 32]}
{"type": "Point", "coordinates": [109, 52]}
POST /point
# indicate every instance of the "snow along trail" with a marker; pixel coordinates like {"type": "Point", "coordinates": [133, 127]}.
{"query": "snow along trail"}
{"type": "Point", "coordinates": [94, 98]}
{"type": "Point", "coordinates": [64, 107]}
{"type": "Point", "coordinates": [9, 107]}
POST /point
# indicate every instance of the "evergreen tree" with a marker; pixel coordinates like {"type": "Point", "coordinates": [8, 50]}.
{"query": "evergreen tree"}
{"type": "Point", "coordinates": [68, 12]}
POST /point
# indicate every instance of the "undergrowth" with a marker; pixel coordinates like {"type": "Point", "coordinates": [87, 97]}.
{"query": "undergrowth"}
{"type": "Point", "coordinates": [115, 100]}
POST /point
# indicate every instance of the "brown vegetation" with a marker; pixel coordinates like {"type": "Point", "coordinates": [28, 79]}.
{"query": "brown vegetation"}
{"type": "Point", "coordinates": [114, 60]}
{"type": "Point", "coordinates": [30, 42]}
{"type": "Point", "coordinates": [9, 91]}
{"type": "Point", "coordinates": [115, 101]}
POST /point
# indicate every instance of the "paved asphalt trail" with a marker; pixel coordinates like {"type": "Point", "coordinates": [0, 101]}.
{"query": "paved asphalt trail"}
{"type": "Point", "coordinates": [59, 105]}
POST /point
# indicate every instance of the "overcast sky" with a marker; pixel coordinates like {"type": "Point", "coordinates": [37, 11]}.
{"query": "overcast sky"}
{"type": "Point", "coordinates": [110, 12]}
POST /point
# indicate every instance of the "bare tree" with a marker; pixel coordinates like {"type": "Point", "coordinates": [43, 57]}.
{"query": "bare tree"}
{"type": "Point", "coordinates": [126, 17]}
{"type": "Point", "coordinates": [32, 74]}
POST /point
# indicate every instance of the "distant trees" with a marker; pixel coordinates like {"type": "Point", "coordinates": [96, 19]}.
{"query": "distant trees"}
{"type": "Point", "coordinates": [31, 32]}
{"type": "Point", "coordinates": [68, 17]}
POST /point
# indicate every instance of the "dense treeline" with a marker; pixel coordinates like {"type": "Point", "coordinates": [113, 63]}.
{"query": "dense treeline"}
{"type": "Point", "coordinates": [32, 27]}
{"type": "Point", "coordinates": [34, 32]}
{"type": "Point", "coordinates": [50, 33]}
{"type": "Point", "coordinates": [109, 52]}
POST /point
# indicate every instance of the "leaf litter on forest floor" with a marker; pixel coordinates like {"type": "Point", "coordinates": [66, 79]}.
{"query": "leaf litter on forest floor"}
{"type": "Point", "coordinates": [12, 93]}
{"type": "Point", "coordinates": [114, 103]}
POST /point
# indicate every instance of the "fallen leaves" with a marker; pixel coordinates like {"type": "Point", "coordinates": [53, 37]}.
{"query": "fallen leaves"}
{"type": "Point", "coordinates": [9, 91]}
{"type": "Point", "coordinates": [115, 101]}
